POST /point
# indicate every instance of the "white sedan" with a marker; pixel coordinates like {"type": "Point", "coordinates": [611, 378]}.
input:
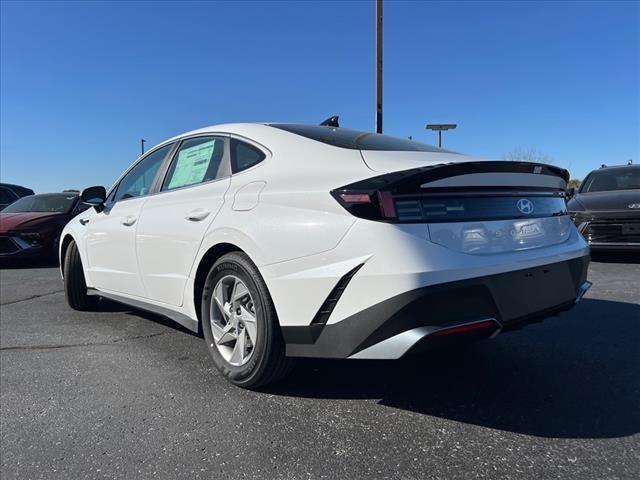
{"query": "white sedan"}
{"type": "Point", "coordinates": [282, 240]}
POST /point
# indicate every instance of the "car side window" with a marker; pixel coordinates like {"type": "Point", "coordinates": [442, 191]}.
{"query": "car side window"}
{"type": "Point", "coordinates": [244, 156]}
{"type": "Point", "coordinates": [139, 180]}
{"type": "Point", "coordinates": [198, 160]}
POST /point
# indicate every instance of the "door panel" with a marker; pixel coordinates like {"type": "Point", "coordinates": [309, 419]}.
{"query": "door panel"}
{"type": "Point", "coordinates": [174, 222]}
{"type": "Point", "coordinates": [169, 234]}
{"type": "Point", "coordinates": [111, 249]}
{"type": "Point", "coordinates": [111, 234]}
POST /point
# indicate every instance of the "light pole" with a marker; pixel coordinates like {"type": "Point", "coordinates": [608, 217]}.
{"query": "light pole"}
{"type": "Point", "coordinates": [142, 140]}
{"type": "Point", "coordinates": [378, 66]}
{"type": "Point", "coordinates": [440, 127]}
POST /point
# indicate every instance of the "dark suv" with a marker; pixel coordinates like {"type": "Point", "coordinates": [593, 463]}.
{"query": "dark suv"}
{"type": "Point", "coordinates": [606, 208]}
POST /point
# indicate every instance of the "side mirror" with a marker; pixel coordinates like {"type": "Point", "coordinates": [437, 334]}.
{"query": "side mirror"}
{"type": "Point", "coordinates": [571, 191]}
{"type": "Point", "coordinates": [94, 196]}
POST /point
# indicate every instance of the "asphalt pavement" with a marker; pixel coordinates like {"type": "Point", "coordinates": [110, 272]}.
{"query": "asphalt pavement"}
{"type": "Point", "coordinates": [119, 393]}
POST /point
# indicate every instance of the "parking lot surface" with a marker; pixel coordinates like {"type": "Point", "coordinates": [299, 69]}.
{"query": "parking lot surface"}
{"type": "Point", "coordinates": [119, 393]}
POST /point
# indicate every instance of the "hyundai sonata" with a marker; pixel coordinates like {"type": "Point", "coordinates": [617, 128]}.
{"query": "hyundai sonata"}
{"type": "Point", "coordinates": [279, 241]}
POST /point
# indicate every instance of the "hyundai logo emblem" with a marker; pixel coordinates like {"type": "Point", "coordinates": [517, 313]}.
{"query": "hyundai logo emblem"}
{"type": "Point", "coordinates": [525, 206]}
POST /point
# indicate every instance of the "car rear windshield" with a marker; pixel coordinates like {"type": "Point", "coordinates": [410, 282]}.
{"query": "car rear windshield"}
{"type": "Point", "coordinates": [54, 203]}
{"type": "Point", "coordinates": [625, 178]}
{"type": "Point", "coordinates": [356, 140]}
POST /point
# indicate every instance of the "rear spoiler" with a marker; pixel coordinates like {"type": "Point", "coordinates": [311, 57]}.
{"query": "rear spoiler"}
{"type": "Point", "coordinates": [458, 191]}
{"type": "Point", "coordinates": [415, 179]}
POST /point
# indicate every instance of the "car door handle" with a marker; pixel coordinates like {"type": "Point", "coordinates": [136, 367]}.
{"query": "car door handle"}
{"type": "Point", "coordinates": [84, 221]}
{"type": "Point", "coordinates": [128, 221]}
{"type": "Point", "coordinates": [197, 214]}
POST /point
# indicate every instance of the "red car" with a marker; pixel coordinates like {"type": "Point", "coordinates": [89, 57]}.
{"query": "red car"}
{"type": "Point", "coordinates": [31, 226]}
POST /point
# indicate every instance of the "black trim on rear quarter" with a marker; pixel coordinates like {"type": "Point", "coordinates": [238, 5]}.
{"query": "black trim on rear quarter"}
{"type": "Point", "coordinates": [324, 312]}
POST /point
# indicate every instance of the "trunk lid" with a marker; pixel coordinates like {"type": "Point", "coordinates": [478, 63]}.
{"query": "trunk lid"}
{"type": "Point", "coordinates": [471, 206]}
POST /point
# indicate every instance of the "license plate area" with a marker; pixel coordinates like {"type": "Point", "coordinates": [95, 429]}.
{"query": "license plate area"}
{"type": "Point", "coordinates": [527, 292]}
{"type": "Point", "coordinates": [631, 229]}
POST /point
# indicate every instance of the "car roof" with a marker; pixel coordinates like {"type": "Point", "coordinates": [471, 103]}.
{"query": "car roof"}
{"type": "Point", "coordinates": [13, 185]}
{"type": "Point", "coordinates": [613, 167]}
{"type": "Point", "coordinates": [52, 194]}
{"type": "Point", "coordinates": [336, 136]}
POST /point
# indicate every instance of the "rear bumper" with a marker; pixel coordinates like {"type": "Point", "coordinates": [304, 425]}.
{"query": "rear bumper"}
{"type": "Point", "coordinates": [391, 328]}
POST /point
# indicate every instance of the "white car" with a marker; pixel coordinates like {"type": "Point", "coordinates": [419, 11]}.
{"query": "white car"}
{"type": "Point", "coordinates": [281, 240]}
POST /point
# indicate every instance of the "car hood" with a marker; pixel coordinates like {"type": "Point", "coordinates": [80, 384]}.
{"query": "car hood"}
{"type": "Point", "coordinates": [605, 201]}
{"type": "Point", "coordinates": [10, 221]}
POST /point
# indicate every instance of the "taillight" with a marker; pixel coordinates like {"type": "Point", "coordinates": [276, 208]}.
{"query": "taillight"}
{"type": "Point", "coordinates": [355, 197]}
{"type": "Point", "coordinates": [387, 207]}
{"type": "Point", "coordinates": [372, 205]}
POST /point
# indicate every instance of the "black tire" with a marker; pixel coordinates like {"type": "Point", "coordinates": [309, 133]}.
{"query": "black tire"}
{"type": "Point", "coordinates": [268, 363]}
{"type": "Point", "coordinates": [75, 287]}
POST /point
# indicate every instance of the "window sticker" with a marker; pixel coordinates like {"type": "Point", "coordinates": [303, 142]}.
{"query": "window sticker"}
{"type": "Point", "coordinates": [192, 164]}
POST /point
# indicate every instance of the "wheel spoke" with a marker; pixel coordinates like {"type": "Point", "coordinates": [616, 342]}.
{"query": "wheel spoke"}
{"type": "Point", "coordinates": [249, 320]}
{"type": "Point", "coordinates": [218, 331]}
{"type": "Point", "coordinates": [239, 291]}
{"type": "Point", "coordinates": [238, 350]}
{"type": "Point", "coordinates": [218, 296]}
{"type": "Point", "coordinates": [227, 335]}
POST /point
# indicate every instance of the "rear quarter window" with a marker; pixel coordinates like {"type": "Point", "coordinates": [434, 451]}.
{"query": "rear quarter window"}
{"type": "Point", "coordinates": [244, 155]}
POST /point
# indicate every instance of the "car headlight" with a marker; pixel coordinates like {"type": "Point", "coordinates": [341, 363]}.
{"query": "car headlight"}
{"type": "Point", "coordinates": [32, 238]}
{"type": "Point", "coordinates": [576, 217]}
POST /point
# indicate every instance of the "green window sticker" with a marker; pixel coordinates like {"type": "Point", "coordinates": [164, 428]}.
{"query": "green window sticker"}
{"type": "Point", "coordinates": [192, 164]}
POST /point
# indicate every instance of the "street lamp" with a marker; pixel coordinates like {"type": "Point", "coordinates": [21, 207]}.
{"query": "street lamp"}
{"type": "Point", "coordinates": [440, 127]}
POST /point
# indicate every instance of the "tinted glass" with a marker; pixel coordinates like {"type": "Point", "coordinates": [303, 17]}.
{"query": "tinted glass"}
{"type": "Point", "coordinates": [50, 202]}
{"type": "Point", "coordinates": [197, 160]}
{"type": "Point", "coordinates": [139, 180]}
{"type": "Point", "coordinates": [346, 138]}
{"type": "Point", "coordinates": [6, 196]}
{"type": "Point", "coordinates": [613, 179]}
{"type": "Point", "coordinates": [244, 155]}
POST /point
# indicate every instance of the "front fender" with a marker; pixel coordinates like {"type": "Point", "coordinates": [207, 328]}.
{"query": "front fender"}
{"type": "Point", "coordinates": [73, 230]}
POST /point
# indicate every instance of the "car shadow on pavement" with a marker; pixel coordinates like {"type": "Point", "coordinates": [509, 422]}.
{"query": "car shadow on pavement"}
{"type": "Point", "coordinates": [574, 376]}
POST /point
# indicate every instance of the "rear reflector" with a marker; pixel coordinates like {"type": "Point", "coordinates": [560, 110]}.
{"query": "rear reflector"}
{"type": "Point", "coordinates": [469, 327]}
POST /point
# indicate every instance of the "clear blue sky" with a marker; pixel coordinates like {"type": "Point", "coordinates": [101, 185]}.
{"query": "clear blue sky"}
{"type": "Point", "coordinates": [81, 83]}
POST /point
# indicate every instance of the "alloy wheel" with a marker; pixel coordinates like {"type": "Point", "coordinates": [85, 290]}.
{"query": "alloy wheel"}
{"type": "Point", "coordinates": [233, 320]}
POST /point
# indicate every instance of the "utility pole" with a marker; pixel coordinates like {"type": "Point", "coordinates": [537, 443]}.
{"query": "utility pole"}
{"type": "Point", "coordinates": [378, 66]}
{"type": "Point", "coordinates": [142, 140]}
